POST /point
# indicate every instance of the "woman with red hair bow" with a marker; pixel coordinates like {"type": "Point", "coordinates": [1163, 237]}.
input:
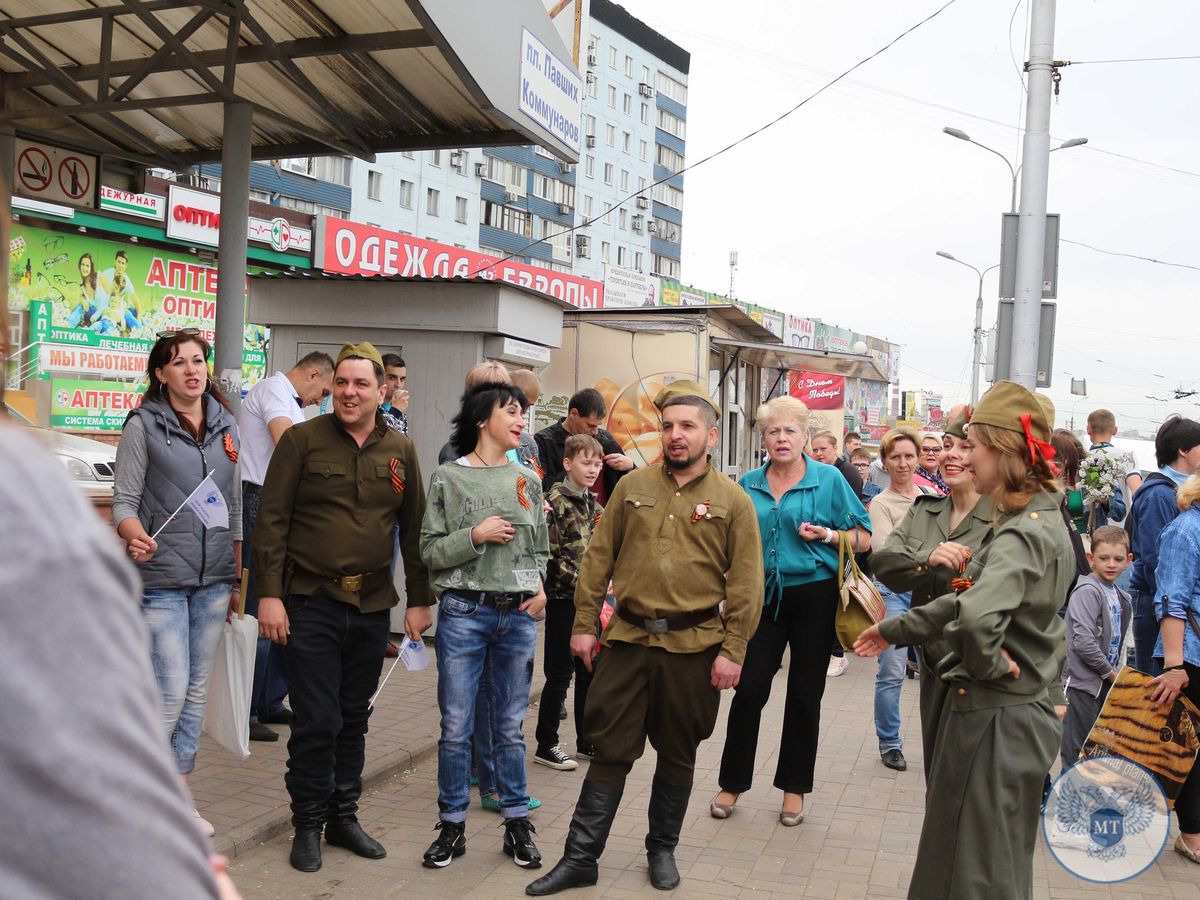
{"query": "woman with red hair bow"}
{"type": "Point", "coordinates": [999, 732]}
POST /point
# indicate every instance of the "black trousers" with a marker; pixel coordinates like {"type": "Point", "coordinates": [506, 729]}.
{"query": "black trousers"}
{"type": "Point", "coordinates": [558, 665]}
{"type": "Point", "coordinates": [804, 621]}
{"type": "Point", "coordinates": [334, 655]}
{"type": "Point", "coordinates": [644, 692]}
{"type": "Point", "coordinates": [1187, 804]}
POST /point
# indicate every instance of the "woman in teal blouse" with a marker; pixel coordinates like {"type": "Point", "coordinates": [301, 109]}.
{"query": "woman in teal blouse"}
{"type": "Point", "coordinates": [802, 507]}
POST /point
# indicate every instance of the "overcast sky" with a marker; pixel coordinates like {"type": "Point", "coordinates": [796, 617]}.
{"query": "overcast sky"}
{"type": "Point", "coordinates": [837, 211]}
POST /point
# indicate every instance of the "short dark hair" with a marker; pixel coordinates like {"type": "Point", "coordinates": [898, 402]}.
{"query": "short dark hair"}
{"type": "Point", "coordinates": [1176, 435]}
{"type": "Point", "coordinates": [315, 360]}
{"type": "Point", "coordinates": [393, 361]}
{"type": "Point", "coordinates": [121, 254]}
{"type": "Point", "coordinates": [478, 404]}
{"type": "Point", "coordinates": [376, 367]}
{"type": "Point", "coordinates": [587, 402]}
{"type": "Point", "coordinates": [851, 436]}
{"type": "Point", "coordinates": [707, 414]}
{"type": "Point", "coordinates": [1110, 534]}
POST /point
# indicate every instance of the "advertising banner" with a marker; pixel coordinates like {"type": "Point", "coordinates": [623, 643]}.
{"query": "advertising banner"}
{"type": "Point", "coordinates": [92, 405]}
{"type": "Point", "coordinates": [628, 287]}
{"type": "Point", "coordinates": [798, 332]}
{"type": "Point", "coordinates": [348, 248]}
{"type": "Point", "coordinates": [818, 391]}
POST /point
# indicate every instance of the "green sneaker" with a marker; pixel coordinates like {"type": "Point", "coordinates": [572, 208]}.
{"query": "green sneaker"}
{"type": "Point", "coordinates": [493, 803]}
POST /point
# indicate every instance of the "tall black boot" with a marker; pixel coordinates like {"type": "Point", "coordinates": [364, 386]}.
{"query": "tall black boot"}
{"type": "Point", "coordinates": [668, 806]}
{"type": "Point", "coordinates": [342, 828]}
{"type": "Point", "coordinates": [594, 814]}
{"type": "Point", "coordinates": [308, 817]}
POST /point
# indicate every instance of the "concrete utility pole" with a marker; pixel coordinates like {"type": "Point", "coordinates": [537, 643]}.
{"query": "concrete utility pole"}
{"type": "Point", "coordinates": [235, 214]}
{"type": "Point", "coordinates": [1031, 226]}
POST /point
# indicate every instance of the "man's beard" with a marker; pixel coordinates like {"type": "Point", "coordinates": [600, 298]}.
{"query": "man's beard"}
{"type": "Point", "coordinates": [683, 463]}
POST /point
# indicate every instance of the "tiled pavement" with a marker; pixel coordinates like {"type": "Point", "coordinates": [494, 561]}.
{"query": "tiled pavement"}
{"type": "Point", "coordinates": [858, 840]}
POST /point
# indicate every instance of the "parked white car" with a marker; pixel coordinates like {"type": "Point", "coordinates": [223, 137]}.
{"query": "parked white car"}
{"type": "Point", "coordinates": [89, 463]}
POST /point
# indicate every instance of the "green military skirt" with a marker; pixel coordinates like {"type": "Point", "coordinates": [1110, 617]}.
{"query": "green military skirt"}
{"type": "Point", "coordinates": [983, 802]}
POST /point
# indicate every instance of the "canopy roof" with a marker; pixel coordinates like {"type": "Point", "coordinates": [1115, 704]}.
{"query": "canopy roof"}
{"type": "Point", "coordinates": [145, 80]}
{"type": "Point", "coordinates": [825, 362]}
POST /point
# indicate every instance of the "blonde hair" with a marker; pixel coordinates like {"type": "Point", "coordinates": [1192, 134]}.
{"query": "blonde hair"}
{"type": "Point", "coordinates": [783, 407]}
{"type": "Point", "coordinates": [1019, 479]}
{"type": "Point", "coordinates": [529, 383]}
{"type": "Point", "coordinates": [490, 372]}
{"type": "Point", "coordinates": [1189, 492]}
{"type": "Point", "coordinates": [889, 441]}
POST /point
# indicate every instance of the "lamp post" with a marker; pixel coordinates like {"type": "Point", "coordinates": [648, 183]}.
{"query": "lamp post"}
{"type": "Point", "coordinates": [1014, 172]}
{"type": "Point", "coordinates": [978, 334]}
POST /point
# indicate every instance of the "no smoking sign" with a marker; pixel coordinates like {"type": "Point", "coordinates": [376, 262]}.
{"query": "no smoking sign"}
{"type": "Point", "coordinates": [54, 174]}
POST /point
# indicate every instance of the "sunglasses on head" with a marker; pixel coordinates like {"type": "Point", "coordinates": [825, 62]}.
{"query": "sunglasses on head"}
{"type": "Point", "coordinates": [186, 332]}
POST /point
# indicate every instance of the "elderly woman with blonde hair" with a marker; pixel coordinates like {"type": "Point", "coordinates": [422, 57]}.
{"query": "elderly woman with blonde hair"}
{"type": "Point", "coordinates": [802, 509]}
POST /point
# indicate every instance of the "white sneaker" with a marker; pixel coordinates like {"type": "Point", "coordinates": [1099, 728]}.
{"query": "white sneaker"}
{"type": "Point", "coordinates": [556, 758]}
{"type": "Point", "coordinates": [837, 665]}
{"type": "Point", "coordinates": [206, 827]}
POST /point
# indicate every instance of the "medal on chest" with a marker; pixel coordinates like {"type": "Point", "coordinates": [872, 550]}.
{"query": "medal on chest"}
{"type": "Point", "coordinates": [702, 511]}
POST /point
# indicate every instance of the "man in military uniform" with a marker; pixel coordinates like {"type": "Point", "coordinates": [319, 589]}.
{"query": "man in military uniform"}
{"type": "Point", "coordinates": [679, 539]}
{"type": "Point", "coordinates": [336, 487]}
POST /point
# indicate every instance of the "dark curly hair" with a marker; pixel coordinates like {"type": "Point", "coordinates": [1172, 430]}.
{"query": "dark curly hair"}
{"type": "Point", "coordinates": [478, 404]}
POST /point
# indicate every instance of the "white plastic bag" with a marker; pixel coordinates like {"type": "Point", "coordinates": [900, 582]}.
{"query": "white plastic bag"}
{"type": "Point", "coordinates": [227, 715]}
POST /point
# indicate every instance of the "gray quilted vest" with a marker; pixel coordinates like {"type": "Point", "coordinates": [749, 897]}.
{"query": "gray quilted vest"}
{"type": "Point", "coordinates": [189, 555]}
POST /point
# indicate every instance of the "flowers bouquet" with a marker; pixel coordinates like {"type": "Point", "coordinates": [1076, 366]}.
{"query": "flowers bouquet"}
{"type": "Point", "coordinates": [1101, 474]}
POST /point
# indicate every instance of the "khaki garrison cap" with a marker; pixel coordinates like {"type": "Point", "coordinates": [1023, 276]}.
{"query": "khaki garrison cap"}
{"type": "Point", "coordinates": [366, 350]}
{"type": "Point", "coordinates": [1005, 404]}
{"type": "Point", "coordinates": [678, 389]}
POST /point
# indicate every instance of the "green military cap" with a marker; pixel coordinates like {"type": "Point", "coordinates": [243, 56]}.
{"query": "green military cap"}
{"type": "Point", "coordinates": [678, 389]}
{"type": "Point", "coordinates": [957, 423]}
{"type": "Point", "coordinates": [1007, 403]}
{"type": "Point", "coordinates": [365, 350]}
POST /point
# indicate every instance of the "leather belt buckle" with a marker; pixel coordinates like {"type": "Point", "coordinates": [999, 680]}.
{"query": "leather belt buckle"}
{"type": "Point", "coordinates": [501, 602]}
{"type": "Point", "coordinates": [655, 626]}
{"type": "Point", "coordinates": [351, 583]}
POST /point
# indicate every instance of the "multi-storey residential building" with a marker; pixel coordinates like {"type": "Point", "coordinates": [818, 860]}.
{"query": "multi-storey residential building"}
{"type": "Point", "coordinates": [316, 185]}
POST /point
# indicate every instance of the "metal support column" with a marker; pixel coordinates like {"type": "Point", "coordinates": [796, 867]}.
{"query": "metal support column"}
{"type": "Point", "coordinates": [7, 151]}
{"type": "Point", "coordinates": [231, 253]}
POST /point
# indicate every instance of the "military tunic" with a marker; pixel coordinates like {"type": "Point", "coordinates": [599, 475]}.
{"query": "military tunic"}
{"type": "Point", "coordinates": [903, 565]}
{"type": "Point", "coordinates": [998, 735]}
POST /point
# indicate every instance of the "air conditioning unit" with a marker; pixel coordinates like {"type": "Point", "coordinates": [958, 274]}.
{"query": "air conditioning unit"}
{"type": "Point", "coordinates": [591, 77]}
{"type": "Point", "coordinates": [591, 141]}
{"type": "Point", "coordinates": [583, 245]}
{"type": "Point", "coordinates": [643, 202]}
{"type": "Point", "coordinates": [592, 60]}
{"type": "Point", "coordinates": [511, 197]}
{"type": "Point", "coordinates": [652, 228]}
{"type": "Point", "coordinates": [672, 234]}
{"type": "Point", "coordinates": [563, 209]}
{"type": "Point", "coordinates": [645, 90]}
{"type": "Point", "coordinates": [481, 170]}
{"type": "Point", "coordinates": [637, 223]}
{"type": "Point", "coordinates": [456, 158]}
{"type": "Point", "coordinates": [566, 168]}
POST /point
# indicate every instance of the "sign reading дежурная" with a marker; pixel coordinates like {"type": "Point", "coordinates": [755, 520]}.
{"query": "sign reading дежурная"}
{"type": "Point", "coordinates": [551, 92]}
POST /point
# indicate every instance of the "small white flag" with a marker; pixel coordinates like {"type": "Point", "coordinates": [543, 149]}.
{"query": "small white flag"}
{"type": "Point", "coordinates": [208, 503]}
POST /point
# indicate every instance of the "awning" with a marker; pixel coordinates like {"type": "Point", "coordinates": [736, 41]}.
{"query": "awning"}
{"type": "Point", "coordinates": [146, 80]}
{"type": "Point", "coordinates": [827, 362]}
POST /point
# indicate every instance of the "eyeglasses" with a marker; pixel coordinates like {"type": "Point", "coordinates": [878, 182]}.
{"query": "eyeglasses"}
{"type": "Point", "coordinates": [862, 465]}
{"type": "Point", "coordinates": [186, 332]}
{"type": "Point", "coordinates": [926, 451]}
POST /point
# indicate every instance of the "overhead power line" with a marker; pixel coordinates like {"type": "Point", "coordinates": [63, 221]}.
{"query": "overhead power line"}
{"type": "Point", "coordinates": [1098, 62]}
{"type": "Point", "coordinates": [862, 62]}
{"type": "Point", "coordinates": [1148, 259]}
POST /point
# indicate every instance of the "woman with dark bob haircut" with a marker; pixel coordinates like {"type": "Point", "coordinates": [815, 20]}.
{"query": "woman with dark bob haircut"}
{"type": "Point", "coordinates": [485, 541]}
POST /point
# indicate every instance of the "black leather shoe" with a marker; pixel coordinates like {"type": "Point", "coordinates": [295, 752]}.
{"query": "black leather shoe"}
{"type": "Point", "coordinates": [894, 759]}
{"type": "Point", "coordinates": [351, 836]}
{"type": "Point", "coordinates": [668, 806]}
{"type": "Point", "coordinates": [586, 838]}
{"type": "Point", "coordinates": [450, 842]}
{"type": "Point", "coordinates": [306, 849]}
{"type": "Point", "coordinates": [260, 732]}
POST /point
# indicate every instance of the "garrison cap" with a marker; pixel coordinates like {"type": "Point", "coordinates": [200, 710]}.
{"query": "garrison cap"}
{"type": "Point", "coordinates": [366, 350]}
{"type": "Point", "coordinates": [1005, 404]}
{"type": "Point", "coordinates": [677, 390]}
{"type": "Point", "coordinates": [957, 425]}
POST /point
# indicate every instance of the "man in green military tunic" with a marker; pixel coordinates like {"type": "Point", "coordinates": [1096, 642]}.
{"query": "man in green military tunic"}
{"type": "Point", "coordinates": [999, 732]}
{"type": "Point", "coordinates": [678, 539]}
{"type": "Point", "coordinates": [336, 488]}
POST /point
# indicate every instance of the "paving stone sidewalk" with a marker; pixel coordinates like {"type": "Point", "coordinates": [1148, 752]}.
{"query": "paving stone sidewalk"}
{"type": "Point", "coordinates": [858, 840]}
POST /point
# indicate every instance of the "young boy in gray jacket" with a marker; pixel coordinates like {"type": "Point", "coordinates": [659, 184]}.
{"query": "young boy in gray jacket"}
{"type": "Point", "coordinates": [1098, 618]}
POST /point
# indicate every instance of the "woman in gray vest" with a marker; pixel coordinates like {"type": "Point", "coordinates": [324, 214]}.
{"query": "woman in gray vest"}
{"type": "Point", "coordinates": [182, 432]}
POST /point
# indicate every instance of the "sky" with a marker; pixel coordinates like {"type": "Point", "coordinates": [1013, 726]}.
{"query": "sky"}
{"type": "Point", "coordinates": [837, 211]}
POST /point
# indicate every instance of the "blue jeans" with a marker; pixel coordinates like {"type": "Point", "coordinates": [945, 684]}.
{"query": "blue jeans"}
{"type": "Point", "coordinates": [1145, 633]}
{"type": "Point", "coordinates": [270, 678]}
{"type": "Point", "coordinates": [185, 627]}
{"type": "Point", "coordinates": [889, 679]}
{"type": "Point", "coordinates": [476, 642]}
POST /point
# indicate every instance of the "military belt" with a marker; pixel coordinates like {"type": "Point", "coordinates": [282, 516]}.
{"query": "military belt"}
{"type": "Point", "coordinates": [669, 623]}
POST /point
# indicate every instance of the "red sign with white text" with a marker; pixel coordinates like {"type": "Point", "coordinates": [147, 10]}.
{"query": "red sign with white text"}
{"type": "Point", "coordinates": [817, 391]}
{"type": "Point", "coordinates": [349, 248]}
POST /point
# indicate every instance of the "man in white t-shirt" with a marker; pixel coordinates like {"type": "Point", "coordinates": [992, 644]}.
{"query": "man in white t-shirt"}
{"type": "Point", "coordinates": [271, 407]}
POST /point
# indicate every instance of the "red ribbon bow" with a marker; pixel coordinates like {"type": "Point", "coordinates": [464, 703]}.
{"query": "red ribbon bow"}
{"type": "Point", "coordinates": [1035, 446]}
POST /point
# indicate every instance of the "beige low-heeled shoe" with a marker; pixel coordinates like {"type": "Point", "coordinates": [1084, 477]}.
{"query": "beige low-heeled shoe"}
{"type": "Point", "coordinates": [792, 819]}
{"type": "Point", "coordinates": [722, 810]}
{"type": "Point", "coordinates": [1182, 848]}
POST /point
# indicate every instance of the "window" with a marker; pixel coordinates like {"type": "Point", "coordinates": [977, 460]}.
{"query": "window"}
{"type": "Point", "coordinates": [674, 89]}
{"type": "Point", "coordinates": [627, 105]}
{"type": "Point", "coordinates": [608, 173]}
{"type": "Point", "coordinates": [668, 158]}
{"type": "Point", "coordinates": [665, 266]}
{"type": "Point", "coordinates": [607, 213]}
{"type": "Point", "coordinates": [301, 165]}
{"type": "Point", "coordinates": [604, 248]}
{"type": "Point", "coordinates": [505, 217]}
{"type": "Point", "coordinates": [334, 169]}
{"type": "Point", "coordinates": [645, 113]}
{"type": "Point", "coordinates": [374, 184]}
{"type": "Point", "coordinates": [260, 196]}
{"type": "Point", "coordinates": [407, 154]}
{"type": "Point", "coordinates": [406, 194]}
{"type": "Point", "coordinates": [553, 190]}
{"type": "Point", "coordinates": [591, 83]}
{"type": "Point", "coordinates": [641, 184]}
{"type": "Point", "coordinates": [629, 66]}
{"type": "Point", "coordinates": [559, 239]}
{"type": "Point", "coordinates": [460, 210]}
{"type": "Point", "coordinates": [587, 206]}
{"type": "Point", "coordinates": [620, 256]}
{"type": "Point", "coordinates": [672, 197]}
{"type": "Point", "coordinates": [671, 124]}
{"type": "Point", "coordinates": [435, 158]}
{"type": "Point", "coordinates": [622, 219]}
{"type": "Point", "coordinates": [645, 74]}
{"type": "Point", "coordinates": [610, 135]}
{"type": "Point", "coordinates": [431, 201]}
{"type": "Point", "coordinates": [612, 96]}
{"type": "Point", "coordinates": [668, 231]}
{"type": "Point", "coordinates": [643, 150]}
{"type": "Point", "coordinates": [589, 125]}
{"type": "Point", "coordinates": [624, 179]}
{"type": "Point", "coordinates": [625, 139]}
{"type": "Point", "coordinates": [637, 260]}
{"type": "Point", "coordinates": [612, 57]}
{"type": "Point", "coordinates": [508, 174]}
{"type": "Point", "coordinates": [589, 167]}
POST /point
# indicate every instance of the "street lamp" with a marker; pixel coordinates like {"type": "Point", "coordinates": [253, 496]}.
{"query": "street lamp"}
{"type": "Point", "coordinates": [963, 136]}
{"type": "Point", "coordinates": [978, 334]}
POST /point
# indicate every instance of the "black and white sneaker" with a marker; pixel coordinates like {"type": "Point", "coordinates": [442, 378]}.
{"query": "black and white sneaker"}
{"type": "Point", "coordinates": [518, 843]}
{"type": "Point", "coordinates": [451, 842]}
{"type": "Point", "coordinates": [555, 758]}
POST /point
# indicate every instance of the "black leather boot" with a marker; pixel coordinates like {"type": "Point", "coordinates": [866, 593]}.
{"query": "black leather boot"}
{"type": "Point", "coordinates": [594, 814]}
{"type": "Point", "coordinates": [308, 817]}
{"type": "Point", "coordinates": [342, 828]}
{"type": "Point", "coordinates": [668, 806]}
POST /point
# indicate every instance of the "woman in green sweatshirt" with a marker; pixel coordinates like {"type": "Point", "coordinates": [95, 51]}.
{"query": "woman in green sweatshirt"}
{"type": "Point", "coordinates": [484, 540]}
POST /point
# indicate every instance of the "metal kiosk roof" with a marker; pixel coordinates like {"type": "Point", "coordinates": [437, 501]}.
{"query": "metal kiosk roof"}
{"type": "Point", "coordinates": [177, 82]}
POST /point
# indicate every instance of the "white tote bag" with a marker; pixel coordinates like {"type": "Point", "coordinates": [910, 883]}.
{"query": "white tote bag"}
{"type": "Point", "coordinates": [227, 715]}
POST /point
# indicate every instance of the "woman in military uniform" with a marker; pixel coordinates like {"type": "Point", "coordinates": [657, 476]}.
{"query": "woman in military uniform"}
{"type": "Point", "coordinates": [998, 733]}
{"type": "Point", "coordinates": [924, 553]}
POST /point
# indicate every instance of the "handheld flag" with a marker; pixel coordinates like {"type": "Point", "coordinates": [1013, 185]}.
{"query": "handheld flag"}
{"type": "Point", "coordinates": [207, 502]}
